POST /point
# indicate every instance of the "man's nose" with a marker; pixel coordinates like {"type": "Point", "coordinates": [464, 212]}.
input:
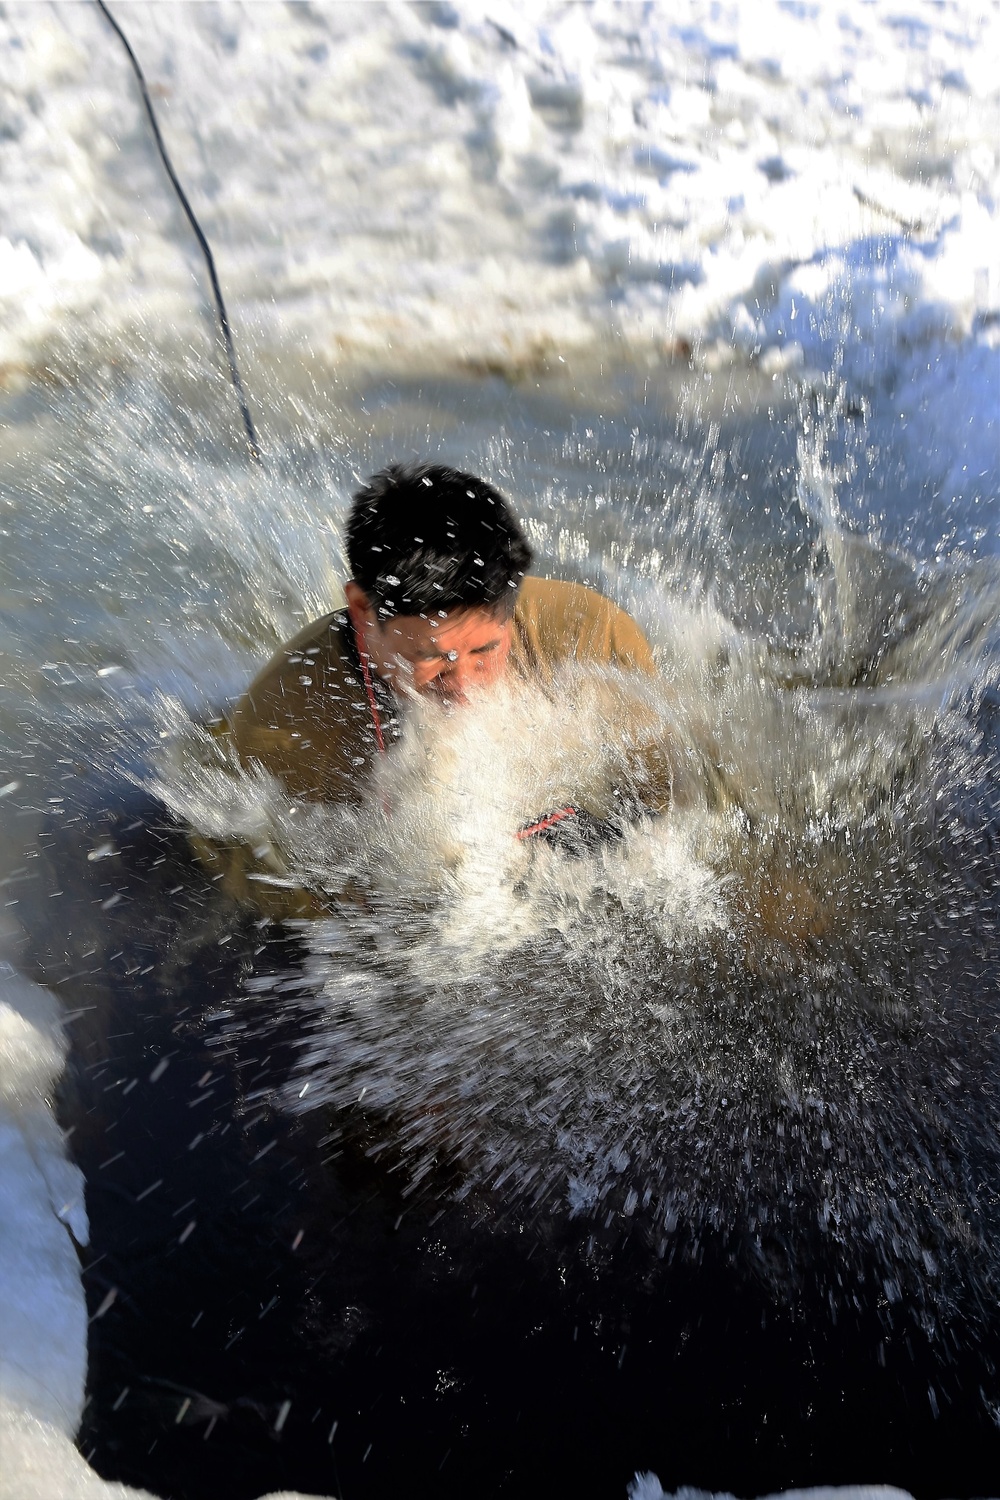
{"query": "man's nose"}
{"type": "Point", "coordinates": [456, 676]}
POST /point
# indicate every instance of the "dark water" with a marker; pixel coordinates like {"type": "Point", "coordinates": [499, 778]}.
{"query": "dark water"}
{"type": "Point", "coordinates": [459, 1349]}
{"type": "Point", "coordinates": [819, 1306]}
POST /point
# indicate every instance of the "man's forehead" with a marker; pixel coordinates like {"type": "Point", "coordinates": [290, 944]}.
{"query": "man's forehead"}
{"type": "Point", "coordinates": [445, 622]}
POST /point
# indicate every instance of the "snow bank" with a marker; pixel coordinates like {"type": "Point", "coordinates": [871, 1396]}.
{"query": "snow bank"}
{"type": "Point", "coordinates": [43, 1320]}
{"type": "Point", "coordinates": [503, 182]}
{"type": "Point", "coordinates": [503, 186]}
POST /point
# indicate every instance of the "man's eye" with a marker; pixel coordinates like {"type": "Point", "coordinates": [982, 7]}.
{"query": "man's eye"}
{"type": "Point", "coordinates": [482, 650]}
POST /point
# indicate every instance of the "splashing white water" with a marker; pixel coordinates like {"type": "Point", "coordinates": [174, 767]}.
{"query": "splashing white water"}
{"type": "Point", "coordinates": [654, 1035]}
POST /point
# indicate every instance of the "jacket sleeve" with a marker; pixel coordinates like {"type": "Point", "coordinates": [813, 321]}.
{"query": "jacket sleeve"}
{"type": "Point", "coordinates": [628, 648]}
{"type": "Point", "coordinates": [642, 747]}
{"type": "Point", "coordinates": [251, 880]}
{"type": "Point", "coordinates": [295, 722]}
{"type": "Point", "coordinates": [649, 746]}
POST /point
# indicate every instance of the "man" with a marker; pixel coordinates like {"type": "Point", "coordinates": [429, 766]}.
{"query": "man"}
{"type": "Point", "coordinates": [439, 604]}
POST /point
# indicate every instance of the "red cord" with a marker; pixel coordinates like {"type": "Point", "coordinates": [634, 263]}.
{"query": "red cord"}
{"type": "Point", "coordinates": [547, 822]}
{"type": "Point", "coordinates": [369, 689]}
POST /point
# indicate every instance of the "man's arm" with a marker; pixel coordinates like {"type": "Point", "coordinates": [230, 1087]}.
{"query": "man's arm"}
{"type": "Point", "coordinates": [297, 721]}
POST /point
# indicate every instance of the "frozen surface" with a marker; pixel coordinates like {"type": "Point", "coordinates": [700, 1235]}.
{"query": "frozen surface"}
{"type": "Point", "coordinates": [648, 1487]}
{"type": "Point", "coordinates": [41, 1463]}
{"type": "Point", "coordinates": [42, 1312]}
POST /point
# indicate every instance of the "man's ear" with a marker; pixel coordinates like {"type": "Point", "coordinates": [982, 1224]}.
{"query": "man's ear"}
{"type": "Point", "coordinates": [359, 606]}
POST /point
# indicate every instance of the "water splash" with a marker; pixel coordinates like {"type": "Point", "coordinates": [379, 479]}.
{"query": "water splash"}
{"type": "Point", "coordinates": [749, 1021]}
{"type": "Point", "coordinates": [744, 1023]}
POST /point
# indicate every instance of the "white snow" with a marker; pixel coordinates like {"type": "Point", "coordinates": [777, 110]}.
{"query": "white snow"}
{"type": "Point", "coordinates": [648, 1487]}
{"type": "Point", "coordinates": [498, 186]}
{"type": "Point", "coordinates": [42, 1314]}
{"type": "Point", "coordinates": [498, 180]}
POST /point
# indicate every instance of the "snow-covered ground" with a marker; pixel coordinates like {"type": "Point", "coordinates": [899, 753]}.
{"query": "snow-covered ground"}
{"type": "Point", "coordinates": [502, 184]}
{"type": "Point", "coordinates": [496, 185]}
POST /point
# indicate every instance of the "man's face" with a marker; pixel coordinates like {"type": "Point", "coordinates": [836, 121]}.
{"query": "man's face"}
{"type": "Point", "coordinates": [444, 655]}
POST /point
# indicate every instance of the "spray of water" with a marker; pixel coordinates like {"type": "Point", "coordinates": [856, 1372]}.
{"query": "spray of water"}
{"type": "Point", "coordinates": [767, 1019]}
{"type": "Point", "coordinates": [750, 1020]}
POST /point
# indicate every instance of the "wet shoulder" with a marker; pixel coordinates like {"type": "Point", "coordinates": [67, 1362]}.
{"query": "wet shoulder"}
{"type": "Point", "coordinates": [305, 717]}
{"type": "Point", "coordinates": [319, 659]}
{"type": "Point", "coordinates": [556, 622]}
{"type": "Point", "coordinates": [320, 639]}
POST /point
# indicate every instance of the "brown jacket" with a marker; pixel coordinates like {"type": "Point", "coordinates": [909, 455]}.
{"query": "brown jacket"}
{"type": "Point", "coordinates": [307, 720]}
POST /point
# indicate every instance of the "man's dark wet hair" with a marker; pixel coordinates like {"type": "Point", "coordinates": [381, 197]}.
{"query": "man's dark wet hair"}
{"type": "Point", "coordinates": [422, 538]}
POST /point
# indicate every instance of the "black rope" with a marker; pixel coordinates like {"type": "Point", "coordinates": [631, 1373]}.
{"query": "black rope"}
{"type": "Point", "coordinates": [220, 305]}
